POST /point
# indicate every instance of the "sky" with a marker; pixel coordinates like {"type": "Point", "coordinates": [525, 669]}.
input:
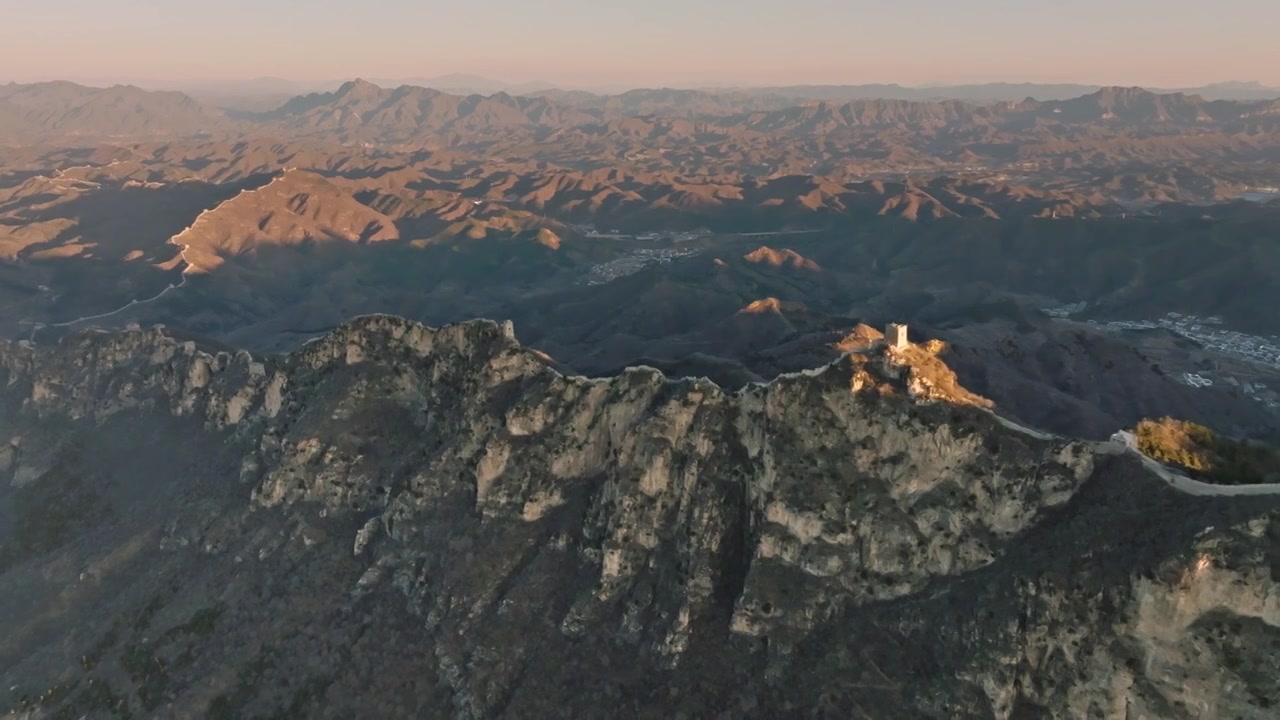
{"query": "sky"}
{"type": "Point", "coordinates": [1158, 43]}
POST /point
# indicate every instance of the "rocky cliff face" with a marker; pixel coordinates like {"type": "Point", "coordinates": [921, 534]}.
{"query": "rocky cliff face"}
{"type": "Point", "coordinates": [397, 519]}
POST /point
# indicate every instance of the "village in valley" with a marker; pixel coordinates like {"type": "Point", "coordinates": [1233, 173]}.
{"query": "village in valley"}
{"type": "Point", "coordinates": [634, 262]}
{"type": "Point", "coordinates": [1258, 352]}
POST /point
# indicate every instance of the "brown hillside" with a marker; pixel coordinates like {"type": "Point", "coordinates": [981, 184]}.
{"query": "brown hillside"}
{"type": "Point", "coordinates": [297, 208]}
{"type": "Point", "coordinates": [780, 258]}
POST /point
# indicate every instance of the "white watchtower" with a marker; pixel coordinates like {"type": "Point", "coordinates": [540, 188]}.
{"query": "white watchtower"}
{"type": "Point", "coordinates": [895, 336]}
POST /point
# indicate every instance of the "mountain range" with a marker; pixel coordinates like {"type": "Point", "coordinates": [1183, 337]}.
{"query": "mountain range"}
{"type": "Point", "coordinates": [467, 84]}
{"type": "Point", "coordinates": [270, 260]}
{"type": "Point", "coordinates": [382, 401]}
{"type": "Point", "coordinates": [64, 109]}
{"type": "Point", "coordinates": [1118, 145]}
{"type": "Point", "coordinates": [402, 520]}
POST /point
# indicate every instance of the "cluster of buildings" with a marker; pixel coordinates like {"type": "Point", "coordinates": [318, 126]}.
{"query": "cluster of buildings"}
{"type": "Point", "coordinates": [634, 262]}
{"type": "Point", "coordinates": [1255, 390]}
{"type": "Point", "coordinates": [1260, 194]}
{"type": "Point", "coordinates": [1263, 394]}
{"type": "Point", "coordinates": [1205, 331]}
{"type": "Point", "coordinates": [1209, 333]}
{"type": "Point", "coordinates": [1196, 380]}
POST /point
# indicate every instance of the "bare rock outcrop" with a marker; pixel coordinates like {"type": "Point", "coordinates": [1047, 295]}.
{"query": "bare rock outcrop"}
{"type": "Point", "coordinates": [731, 544]}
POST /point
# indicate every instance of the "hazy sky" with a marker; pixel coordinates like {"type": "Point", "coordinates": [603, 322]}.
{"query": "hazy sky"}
{"type": "Point", "coordinates": [646, 42]}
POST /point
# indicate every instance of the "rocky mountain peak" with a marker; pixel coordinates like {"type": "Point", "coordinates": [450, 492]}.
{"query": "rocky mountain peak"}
{"type": "Point", "coordinates": [780, 258]}
{"type": "Point", "coordinates": [666, 521]}
{"type": "Point", "coordinates": [358, 88]}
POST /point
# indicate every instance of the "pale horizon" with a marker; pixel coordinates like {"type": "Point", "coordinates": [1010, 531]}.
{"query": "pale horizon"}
{"type": "Point", "coordinates": [651, 44]}
{"type": "Point", "coordinates": [196, 84]}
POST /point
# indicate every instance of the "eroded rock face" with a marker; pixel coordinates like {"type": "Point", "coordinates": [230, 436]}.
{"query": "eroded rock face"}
{"type": "Point", "coordinates": [539, 525]}
{"type": "Point", "coordinates": [95, 375]}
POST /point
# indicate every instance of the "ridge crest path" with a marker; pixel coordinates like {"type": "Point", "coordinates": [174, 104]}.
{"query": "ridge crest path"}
{"type": "Point", "coordinates": [182, 254]}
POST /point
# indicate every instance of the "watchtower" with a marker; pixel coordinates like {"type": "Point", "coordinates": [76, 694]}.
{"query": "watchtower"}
{"type": "Point", "coordinates": [895, 336]}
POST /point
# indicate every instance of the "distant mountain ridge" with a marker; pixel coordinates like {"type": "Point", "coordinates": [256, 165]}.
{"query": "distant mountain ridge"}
{"type": "Point", "coordinates": [66, 109]}
{"type": "Point", "coordinates": [362, 107]}
{"type": "Point", "coordinates": [467, 84]}
{"type": "Point", "coordinates": [995, 92]}
{"type": "Point", "coordinates": [367, 111]}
